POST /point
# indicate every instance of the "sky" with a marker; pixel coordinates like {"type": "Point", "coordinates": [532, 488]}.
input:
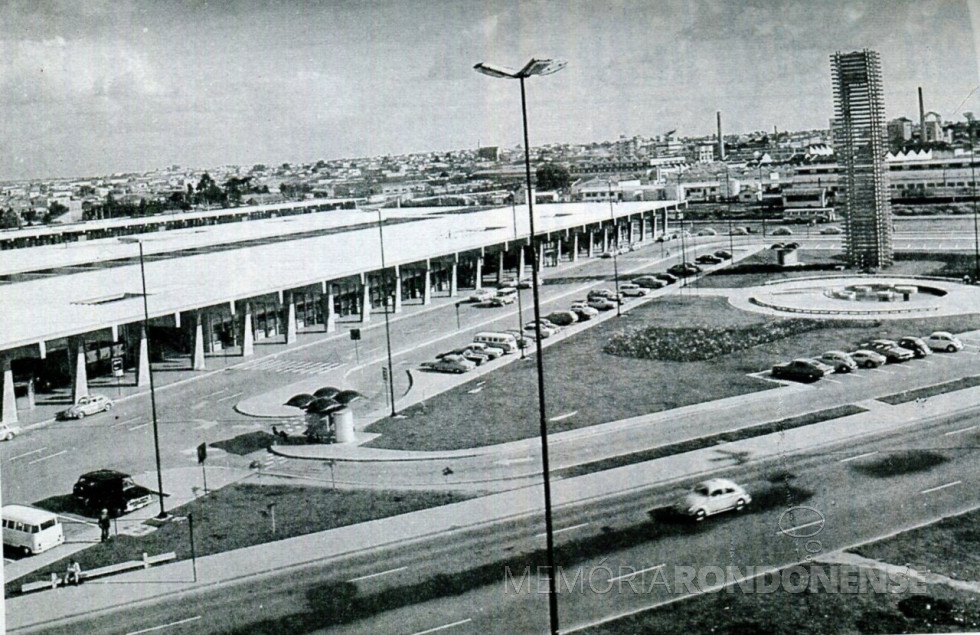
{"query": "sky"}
{"type": "Point", "coordinates": [92, 87]}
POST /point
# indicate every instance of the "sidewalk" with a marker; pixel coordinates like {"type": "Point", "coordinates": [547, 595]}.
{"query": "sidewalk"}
{"type": "Point", "coordinates": [175, 580]}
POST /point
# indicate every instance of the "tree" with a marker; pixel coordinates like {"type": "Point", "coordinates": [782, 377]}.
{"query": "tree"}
{"type": "Point", "coordinates": [553, 176]}
{"type": "Point", "coordinates": [56, 209]}
{"type": "Point", "coordinates": [10, 219]}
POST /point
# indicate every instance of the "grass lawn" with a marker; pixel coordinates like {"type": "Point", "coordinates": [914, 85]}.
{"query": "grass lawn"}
{"type": "Point", "coordinates": [950, 547]}
{"type": "Point", "coordinates": [581, 378]}
{"type": "Point", "coordinates": [734, 612]}
{"type": "Point", "coordinates": [237, 516]}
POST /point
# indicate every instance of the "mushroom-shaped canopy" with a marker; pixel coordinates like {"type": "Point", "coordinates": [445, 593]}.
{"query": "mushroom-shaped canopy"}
{"type": "Point", "coordinates": [326, 391]}
{"type": "Point", "coordinates": [323, 406]}
{"type": "Point", "coordinates": [347, 397]}
{"type": "Point", "coordinates": [301, 400]}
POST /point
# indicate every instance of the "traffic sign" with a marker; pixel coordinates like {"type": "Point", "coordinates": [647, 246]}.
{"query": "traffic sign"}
{"type": "Point", "coordinates": [202, 452]}
{"type": "Point", "coordinates": [384, 374]}
{"type": "Point", "coordinates": [117, 366]}
{"type": "Point", "coordinates": [355, 334]}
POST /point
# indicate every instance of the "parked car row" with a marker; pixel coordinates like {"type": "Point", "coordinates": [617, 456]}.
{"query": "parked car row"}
{"type": "Point", "coordinates": [486, 346]}
{"type": "Point", "coordinates": [870, 355]}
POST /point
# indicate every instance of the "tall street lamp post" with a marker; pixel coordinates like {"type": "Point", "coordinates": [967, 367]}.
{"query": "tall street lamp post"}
{"type": "Point", "coordinates": [615, 253]}
{"type": "Point", "coordinates": [728, 206]}
{"type": "Point", "coordinates": [153, 396]}
{"type": "Point", "coordinates": [522, 343]}
{"type": "Point", "coordinates": [384, 294]}
{"type": "Point", "coordinates": [536, 67]}
{"type": "Point", "coordinates": [973, 184]}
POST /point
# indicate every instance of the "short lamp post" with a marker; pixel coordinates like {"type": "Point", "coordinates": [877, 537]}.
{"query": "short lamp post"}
{"type": "Point", "coordinates": [153, 397]}
{"type": "Point", "coordinates": [536, 67]}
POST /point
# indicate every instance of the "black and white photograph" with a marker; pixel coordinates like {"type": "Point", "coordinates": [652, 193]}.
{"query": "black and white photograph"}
{"type": "Point", "coordinates": [459, 317]}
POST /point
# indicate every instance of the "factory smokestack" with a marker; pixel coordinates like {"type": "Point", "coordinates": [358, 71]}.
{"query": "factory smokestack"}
{"type": "Point", "coordinates": [922, 119]}
{"type": "Point", "coordinates": [721, 139]}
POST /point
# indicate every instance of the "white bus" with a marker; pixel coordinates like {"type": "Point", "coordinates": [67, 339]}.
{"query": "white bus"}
{"type": "Point", "coordinates": [30, 529]}
{"type": "Point", "coordinates": [504, 341]}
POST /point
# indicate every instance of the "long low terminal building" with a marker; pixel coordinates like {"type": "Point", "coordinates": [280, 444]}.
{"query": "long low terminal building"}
{"type": "Point", "coordinates": [73, 311]}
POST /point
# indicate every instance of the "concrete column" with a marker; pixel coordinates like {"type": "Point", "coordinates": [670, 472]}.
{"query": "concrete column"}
{"type": "Point", "coordinates": [290, 319]}
{"type": "Point", "coordinates": [591, 235]}
{"type": "Point", "coordinates": [248, 334]}
{"type": "Point", "coordinates": [143, 360]}
{"type": "Point", "coordinates": [540, 252]}
{"type": "Point", "coordinates": [197, 357]}
{"type": "Point", "coordinates": [329, 317]}
{"type": "Point", "coordinates": [558, 246]}
{"type": "Point", "coordinates": [427, 287]}
{"type": "Point", "coordinates": [79, 378]}
{"type": "Point", "coordinates": [629, 232]}
{"type": "Point", "coordinates": [574, 252]}
{"type": "Point", "coordinates": [9, 413]}
{"type": "Point", "coordinates": [453, 280]}
{"type": "Point", "coordinates": [398, 290]}
{"type": "Point", "coordinates": [31, 395]}
{"type": "Point", "coordinates": [605, 239]}
{"type": "Point", "coordinates": [366, 300]}
{"type": "Point", "coordinates": [500, 267]}
{"type": "Point", "coordinates": [520, 262]}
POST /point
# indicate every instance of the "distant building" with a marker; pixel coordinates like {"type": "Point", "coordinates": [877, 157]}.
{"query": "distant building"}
{"type": "Point", "coordinates": [859, 142]}
{"type": "Point", "coordinates": [488, 153]}
{"type": "Point", "coordinates": [899, 131]}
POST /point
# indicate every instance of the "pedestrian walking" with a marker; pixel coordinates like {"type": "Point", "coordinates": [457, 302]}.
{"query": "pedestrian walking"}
{"type": "Point", "coordinates": [104, 524]}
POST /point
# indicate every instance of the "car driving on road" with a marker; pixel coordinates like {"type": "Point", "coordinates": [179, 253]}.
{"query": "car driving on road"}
{"type": "Point", "coordinates": [713, 497]}
{"type": "Point", "coordinates": [87, 405]}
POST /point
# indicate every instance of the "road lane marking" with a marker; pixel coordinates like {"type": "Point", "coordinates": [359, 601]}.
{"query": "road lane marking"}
{"type": "Point", "coordinates": [437, 628]}
{"type": "Point", "coordinates": [375, 575]}
{"type": "Point", "coordinates": [45, 458]}
{"type": "Point", "coordinates": [475, 390]}
{"type": "Point", "coordinates": [558, 531]}
{"type": "Point", "coordinates": [836, 381]}
{"type": "Point", "coordinates": [878, 370]}
{"type": "Point", "coordinates": [199, 405]}
{"type": "Point", "coordinates": [936, 489]}
{"type": "Point", "coordinates": [859, 456]}
{"type": "Point", "coordinates": [142, 425]}
{"type": "Point", "coordinates": [789, 532]}
{"type": "Point", "coordinates": [20, 456]}
{"type": "Point", "coordinates": [163, 626]}
{"type": "Point", "coordinates": [564, 416]}
{"type": "Point", "coordinates": [237, 394]}
{"type": "Point", "coordinates": [635, 573]}
{"type": "Point", "coordinates": [960, 431]}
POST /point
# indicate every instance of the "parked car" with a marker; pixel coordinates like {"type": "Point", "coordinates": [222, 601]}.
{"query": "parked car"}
{"type": "Point", "coordinates": [111, 490]}
{"type": "Point", "coordinates": [562, 318]}
{"type": "Point", "coordinates": [831, 230]}
{"type": "Point", "coordinates": [482, 295]}
{"type": "Point", "coordinates": [490, 351]}
{"type": "Point", "coordinates": [917, 345]}
{"type": "Point", "coordinates": [866, 358]}
{"type": "Point", "coordinates": [669, 278]}
{"type": "Point", "coordinates": [87, 405]}
{"type": "Point", "coordinates": [891, 350]}
{"type": "Point", "coordinates": [649, 282]}
{"type": "Point", "coordinates": [944, 341]}
{"type": "Point", "coordinates": [712, 497]}
{"type": "Point", "coordinates": [782, 231]}
{"type": "Point", "coordinates": [452, 364]}
{"type": "Point", "coordinates": [739, 231]}
{"type": "Point", "coordinates": [601, 304]}
{"type": "Point", "coordinates": [724, 255]}
{"type": "Point", "coordinates": [632, 290]}
{"type": "Point", "coordinates": [607, 294]}
{"type": "Point", "coordinates": [501, 300]}
{"type": "Point", "coordinates": [707, 231]}
{"type": "Point", "coordinates": [584, 311]}
{"type": "Point", "coordinates": [684, 270]}
{"type": "Point", "coordinates": [707, 259]}
{"type": "Point", "coordinates": [840, 361]}
{"type": "Point", "coordinates": [8, 432]}
{"type": "Point", "coordinates": [801, 370]}
{"type": "Point", "coordinates": [468, 353]}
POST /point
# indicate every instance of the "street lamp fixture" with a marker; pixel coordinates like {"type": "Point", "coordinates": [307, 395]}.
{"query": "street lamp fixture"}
{"type": "Point", "coordinates": [153, 396]}
{"type": "Point", "coordinates": [536, 67]}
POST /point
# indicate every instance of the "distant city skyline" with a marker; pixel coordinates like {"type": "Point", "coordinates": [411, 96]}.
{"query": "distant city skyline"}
{"type": "Point", "coordinates": [98, 87]}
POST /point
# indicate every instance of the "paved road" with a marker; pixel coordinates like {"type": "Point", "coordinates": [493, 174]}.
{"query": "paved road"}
{"type": "Point", "coordinates": [612, 539]}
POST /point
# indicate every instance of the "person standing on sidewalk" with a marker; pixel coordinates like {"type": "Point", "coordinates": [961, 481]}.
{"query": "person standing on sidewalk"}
{"type": "Point", "coordinates": [104, 524]}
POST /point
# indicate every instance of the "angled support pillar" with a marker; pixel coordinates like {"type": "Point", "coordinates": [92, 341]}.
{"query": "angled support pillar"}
{"type": "Point", "coordinates": [558, 246]}
{"type": "Point", "coordinates": [290, 319]}
{"type": "Point", "coordinates": [500, 267]}
{"type": "Point", "coordinates": [478, 272]}
{"type": "Point", "coordinates": [427, 287]}
{"type": "Point", "coordinates": [248, 332]}
{"type": "Point", "coordinates": [397, 295]}
{"type": "Point", "coordinates": [329, 316]}
{"type": "Point", "coordinates": [143, 360]}
{"type": "Point", "coordinates": [366, 300]}
{"type": "Point", "coordinates": [79, 377]}
{"type": "Point", "coordinates": [453, 279]}
{"type": "Point", "coordinates": [9, 413]}
{"type": "Point", "coordinates": [197, 357]}
{"type": "Point", "coordinates": [591, 252]}
{"type": "Point", "coordinates": [574, 251]}
{"type": "Point", "coordinates": [520, 261]}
